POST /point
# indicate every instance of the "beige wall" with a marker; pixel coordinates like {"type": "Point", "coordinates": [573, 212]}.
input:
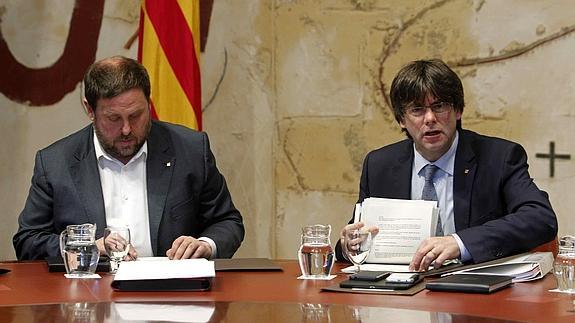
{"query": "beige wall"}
{"type": "Point", "coordinates": [298, 100]}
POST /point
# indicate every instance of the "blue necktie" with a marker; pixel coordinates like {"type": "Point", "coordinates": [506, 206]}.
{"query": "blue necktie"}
{"type": "Point", "coordinates": [430, 194]}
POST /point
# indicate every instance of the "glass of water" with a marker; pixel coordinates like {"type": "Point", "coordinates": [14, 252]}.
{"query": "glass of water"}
{"type": "Point", "coordinates": [79, 250]}
{"type": "Point", "coordinates": [356, 246]}
{"type": "Point", "coordinates": [315, 253]}
{"type": "Point", "coordinates": [117, 244]}
{"type": "Point", "coordinates": [564, 266]}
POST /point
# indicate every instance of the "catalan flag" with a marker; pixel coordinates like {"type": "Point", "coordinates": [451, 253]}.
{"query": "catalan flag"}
{"type": "Point", "coordinates": [169, 48]}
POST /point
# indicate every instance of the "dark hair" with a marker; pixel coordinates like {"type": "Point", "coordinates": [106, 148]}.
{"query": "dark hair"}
{"type": "Point", "coordinates": [112, 76]}
{"type": "Point", "coordinates": [420, 78]}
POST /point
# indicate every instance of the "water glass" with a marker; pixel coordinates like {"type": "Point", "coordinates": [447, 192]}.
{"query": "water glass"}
{"type": "Point", "coordinates": [356, 246]}
{"type": "Point", "coordinates": [79, 250]}
{"type": "Point", "coordinates": [564, 266]}
{"type": "Point", "coordinates": [315, 253]}
{"type": "Point", "coordinates": [117, 244]}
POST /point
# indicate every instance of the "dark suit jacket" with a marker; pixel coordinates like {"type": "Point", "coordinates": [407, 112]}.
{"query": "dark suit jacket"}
{"type": "Point", "coordinates": [498, 210]}
{"type": "Point", "coordinates": [189, 197]}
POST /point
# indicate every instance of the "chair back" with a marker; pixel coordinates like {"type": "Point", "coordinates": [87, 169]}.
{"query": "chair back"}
{"type": "Point", "coordinates": [552, 246]}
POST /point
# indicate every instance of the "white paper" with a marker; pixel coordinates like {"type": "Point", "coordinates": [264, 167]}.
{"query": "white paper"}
{"type": "Point", "coordinates": [165, 269]}
{"type": "Point", "coordinates": [557, 290]}
{"type": "Point", "coordinates": [377, 267]}
{"type": "Point", "coordinates": [403, 225]}
{"type": "Point", "coordinates": [525, 267]}
{"type": "Point", "coordinates": [92, 276]}
{"type": "Point", "coordinates": [152, 258]}
{"type": "Point", "coordinates": [329, 277]}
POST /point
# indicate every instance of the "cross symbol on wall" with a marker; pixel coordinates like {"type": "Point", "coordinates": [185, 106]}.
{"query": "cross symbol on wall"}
{"type": "Point", "coordinates": [552, 156]}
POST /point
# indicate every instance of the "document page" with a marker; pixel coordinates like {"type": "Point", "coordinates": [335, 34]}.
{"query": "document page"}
{"type": "Point", "coordinates": [165, 269]}
{"type": "Point", "coordinates": [403, 225]}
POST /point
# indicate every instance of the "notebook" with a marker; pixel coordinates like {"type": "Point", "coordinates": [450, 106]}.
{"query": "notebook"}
{"type": "Point", "coordinates": [470, 283]}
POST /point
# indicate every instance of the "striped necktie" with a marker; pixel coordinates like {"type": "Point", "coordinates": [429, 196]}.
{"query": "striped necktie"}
{"type": "Point", "coordinates": [430, 194]}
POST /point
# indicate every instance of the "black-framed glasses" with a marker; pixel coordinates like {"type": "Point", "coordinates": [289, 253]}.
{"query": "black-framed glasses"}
{"type": "Point", "coordinates": [437, 108]}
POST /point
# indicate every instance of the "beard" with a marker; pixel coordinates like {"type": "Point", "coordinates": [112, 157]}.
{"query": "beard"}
{"type": "Point", "coordinates": [123, 154]}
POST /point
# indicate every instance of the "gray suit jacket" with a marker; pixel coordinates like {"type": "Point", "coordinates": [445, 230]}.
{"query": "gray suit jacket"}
{"type": "Point", "coordinates": [498, 209]}
{"type": "Point", "coordinates": [188, 197]}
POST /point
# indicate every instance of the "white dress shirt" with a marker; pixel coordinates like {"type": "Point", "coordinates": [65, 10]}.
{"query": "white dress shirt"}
{"type": "Point", "coordinates": [125, 195]}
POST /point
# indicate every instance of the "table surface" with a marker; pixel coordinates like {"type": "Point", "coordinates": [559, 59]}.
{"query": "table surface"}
{"type": "Point", "coordinates": [30, 289]}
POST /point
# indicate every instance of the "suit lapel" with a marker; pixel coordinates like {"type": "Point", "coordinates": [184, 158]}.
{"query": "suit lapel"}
{"type": "Point", "coordinates": [401, 178]}
{"type": "Point", "coordinates": [86, 178]}
{"type": "Point", "coordinates": [159, 168]}
{"type": "Point", "coordinates": [464, 175]}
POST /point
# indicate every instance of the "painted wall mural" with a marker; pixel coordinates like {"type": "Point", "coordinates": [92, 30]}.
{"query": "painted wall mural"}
{"type": "Point", "coordinates": [48, 85]}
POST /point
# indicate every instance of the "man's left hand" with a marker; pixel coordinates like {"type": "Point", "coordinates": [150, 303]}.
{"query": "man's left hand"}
{"type": "Point", "coordinates": [186, 247]}
{"type": "Point", "coordinates": [436, 250]}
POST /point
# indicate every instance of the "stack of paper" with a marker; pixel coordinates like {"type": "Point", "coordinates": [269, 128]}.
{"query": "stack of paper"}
{"type": "Point", "coordinates": [524, 267]}
{"type": "Point", "coordinates": [403, 225]}
{"type": "Point", "coordinates": [164, 274]}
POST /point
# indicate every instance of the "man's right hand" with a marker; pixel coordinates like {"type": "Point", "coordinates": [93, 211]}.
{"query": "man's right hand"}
{"type": "Point", "coordinates": [132, 253]}
{"type": "Point", "coordinates": [354, 226]}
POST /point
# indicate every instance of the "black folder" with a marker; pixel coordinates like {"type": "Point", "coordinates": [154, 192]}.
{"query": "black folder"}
{"type": "Point", "coordinates": [378, 285]}
{"type": "Point", "coordinates": [56, 264]}
{"type": "Point", "coordinates": [246, 264]}
{"type": "Point", "coordinates": [470, 283]}
{"type": "Point", "coordinates": [172, 284]}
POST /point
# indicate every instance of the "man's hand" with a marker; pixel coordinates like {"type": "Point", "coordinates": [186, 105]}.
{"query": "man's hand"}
{"type": "Point", "coordinates": [354, 226]}
{"type": "Point", "coordinates": [100, 245]}
{"type": "Point", "coordinates": [436, 250]}
{"type": "Point", "coordinates": [186, 247]}
{"type": "Point", "coordinates": [132, 253]}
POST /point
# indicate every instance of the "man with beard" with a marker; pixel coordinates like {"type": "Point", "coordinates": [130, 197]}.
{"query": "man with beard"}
{"type": "Point", "coordinates": [489, 206]}
{"type": "Point", "coordinates": [124, 169]}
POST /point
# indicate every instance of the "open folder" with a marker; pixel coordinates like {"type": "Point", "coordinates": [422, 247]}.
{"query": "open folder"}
{"type": "Point", "coordinates": [523, 267]}
{"type": "Point", "coordinates": [164, 275]}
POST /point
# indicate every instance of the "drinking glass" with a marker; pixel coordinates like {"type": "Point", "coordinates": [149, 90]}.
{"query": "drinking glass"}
{"type": "Point", "coordinates": [79, 250]}
{"type": "Point", "coordinates": [356, 246]}
{"type": "Point", "coordinates": [315, 253]}
{"type": "Point", "coordinates": [564, 266]}
{"type": "Point", "coordinates": [117, 244]}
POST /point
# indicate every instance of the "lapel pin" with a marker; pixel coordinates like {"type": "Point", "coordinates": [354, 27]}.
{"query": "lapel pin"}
{"type": "Point", "coordinates": [466, 171]}
{"type": "Point", "coordinates": [168, 164]}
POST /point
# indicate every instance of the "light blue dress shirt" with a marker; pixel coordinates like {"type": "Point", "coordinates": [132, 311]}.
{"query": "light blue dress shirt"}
{"type": "Point", "coordinates": [443, 182]}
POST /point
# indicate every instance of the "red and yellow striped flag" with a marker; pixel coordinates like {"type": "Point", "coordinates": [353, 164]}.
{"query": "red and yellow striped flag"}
{"type": "Point", "coordinates": [169, 48]}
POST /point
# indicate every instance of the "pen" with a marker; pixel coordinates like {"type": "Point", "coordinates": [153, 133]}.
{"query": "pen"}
{"type": "Point", "coordinates": [357, 213]}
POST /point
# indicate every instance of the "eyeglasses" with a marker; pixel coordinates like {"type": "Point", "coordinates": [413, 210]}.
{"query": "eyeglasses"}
{"type": "Point", "coordinates": [437, 108]}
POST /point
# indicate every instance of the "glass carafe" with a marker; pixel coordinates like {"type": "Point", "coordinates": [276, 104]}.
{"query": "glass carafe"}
{"type": "Point", "coordinates": [315, 253]}
{"type": "Point", "coordinates": [79, 250]}
{"type": "Point", "coordinates": [564, 266]}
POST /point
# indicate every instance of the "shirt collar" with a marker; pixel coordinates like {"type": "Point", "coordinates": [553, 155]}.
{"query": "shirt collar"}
{"type": "Point", "coordinates": [100, 153]}
{"type": "Point", "coordinates": [446, 162]}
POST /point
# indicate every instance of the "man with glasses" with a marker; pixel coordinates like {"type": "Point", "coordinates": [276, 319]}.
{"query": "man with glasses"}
{"type": "Point", "coordinates": [489, 205]}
